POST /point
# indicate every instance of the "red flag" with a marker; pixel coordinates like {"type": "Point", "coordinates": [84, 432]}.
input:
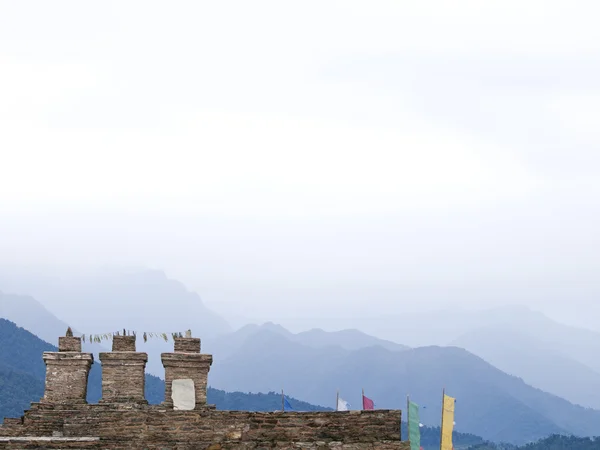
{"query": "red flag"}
{"type": "Point", "coordinates": [368, 403]}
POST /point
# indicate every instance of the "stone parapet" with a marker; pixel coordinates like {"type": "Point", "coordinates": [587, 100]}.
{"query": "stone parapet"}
{"type": "Point", "coordinates": [123, 377]}
{"type": "Point", "coordinates": [66, 376]}
{"type": "Point", "coordinates": [97, 444]}
{"type": "Point", "coordinates": [154, 427]}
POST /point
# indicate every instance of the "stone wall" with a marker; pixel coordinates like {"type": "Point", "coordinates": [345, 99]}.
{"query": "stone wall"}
{"type": "Point", "coordinates": [154, 427]}
{"type": "Point", "coordinates": [124, 420]}
{"type": "Point", "coordinates": [123, 377]}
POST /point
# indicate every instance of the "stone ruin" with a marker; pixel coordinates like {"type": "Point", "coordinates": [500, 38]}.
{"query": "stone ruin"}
{"type": "Point", "coordinates": [123, 419]}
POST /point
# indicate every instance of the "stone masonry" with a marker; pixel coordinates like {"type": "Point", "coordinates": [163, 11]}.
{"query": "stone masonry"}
{"type": "Point", "coordinates": [187, 363]}
{"type": "Point", "coordinates": [123, 372]}
{"type": "Point", "coordinates": [67, 372]}
{"type": "Point", "coordinates": [124, 420]}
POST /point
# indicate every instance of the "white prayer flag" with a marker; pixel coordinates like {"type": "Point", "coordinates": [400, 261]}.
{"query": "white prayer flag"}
{"type": "Point", "coordinates": [343, 405]}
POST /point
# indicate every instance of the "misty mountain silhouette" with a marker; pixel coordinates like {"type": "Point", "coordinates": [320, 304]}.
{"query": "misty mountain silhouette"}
{"type": "Point", "coordinates": [312, 365]}
{"type": "Point", "coordinates": [540, 363]}
{"type": "Point", "coordinates": [225, 345]}
{"type": "Point", "coordinates": [491, 403]}
{"type": "Point", "coordinates": [107, 301]}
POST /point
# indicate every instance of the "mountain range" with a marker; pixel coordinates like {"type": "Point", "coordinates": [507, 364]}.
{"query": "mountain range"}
{"type": "Point", "coordinates": [491, 403]}
{"type": "Point", "coordinates": [555, 357]}
{"type": "Point", "coordinates": [21, 379]}
{"type": "Point", "coordinates": [539, 362]}
{"type": "Point", "coordinates": [510, 375]}
{"type": "Point", "coordinates": [105, 301]}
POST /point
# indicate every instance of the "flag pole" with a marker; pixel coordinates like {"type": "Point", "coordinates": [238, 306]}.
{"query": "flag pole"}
{"type": "Point", "coordinates": [442, 425]}
{"type": "Point", "coordinates": [282, 401]}
{"type": "Point", "coordinates": [363, 399]}
{"type": "Point", "coordinates": [407, 417]}
{"type": "Point", "coordinates": [337, 399]}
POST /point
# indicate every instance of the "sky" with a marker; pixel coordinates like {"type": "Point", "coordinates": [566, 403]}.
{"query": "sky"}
{"type": "Point", "coordinates": [309, 162]}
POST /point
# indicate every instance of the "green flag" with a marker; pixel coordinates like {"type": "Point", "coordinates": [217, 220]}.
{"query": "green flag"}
{"type": "Point", "coordinates": [414, 432]}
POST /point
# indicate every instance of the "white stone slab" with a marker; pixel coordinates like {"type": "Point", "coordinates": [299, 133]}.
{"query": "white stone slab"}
{"type": "Point", "coordinates": [183, 395]}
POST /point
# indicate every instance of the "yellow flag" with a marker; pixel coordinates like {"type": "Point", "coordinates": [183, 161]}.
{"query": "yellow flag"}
{"type": "Point", "coordinates": [447, 423]}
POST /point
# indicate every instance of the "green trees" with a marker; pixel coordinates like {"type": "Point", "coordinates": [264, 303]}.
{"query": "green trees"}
{"type": "Point", "coordinates": [554, 442]}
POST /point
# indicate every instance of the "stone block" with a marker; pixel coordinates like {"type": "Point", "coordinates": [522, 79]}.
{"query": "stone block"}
{"type": "Point", "coordinates": [123, 344]}
{"type": "Point", "coordinates": [187, 345]}
{"type": "Point", "coordinates": [123, 377]}
{"type": "Point", "coordinates": [69, 344]}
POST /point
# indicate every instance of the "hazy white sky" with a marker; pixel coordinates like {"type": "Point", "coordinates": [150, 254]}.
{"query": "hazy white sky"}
{"type": "Point", "coordinates": [335, 158]}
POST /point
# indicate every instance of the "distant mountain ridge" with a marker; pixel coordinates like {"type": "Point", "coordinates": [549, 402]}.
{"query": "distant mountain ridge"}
{"type": "Point", "coordinates": [110, 300]}
{"type": "Point", "coordinates": [314, 364]}
{"type": "Point", "coordinates": [539, 363]}
{"type": "Point", "coordinates": [225, 345]}
{"type": "Point", "coordinates": [490, 403]}
{"type": "Point", "coordinates": [557, 358]}
{"type": "Point", "coordinates": [102, 301]}
{"type": "Point", "coordinates": [28, 313]}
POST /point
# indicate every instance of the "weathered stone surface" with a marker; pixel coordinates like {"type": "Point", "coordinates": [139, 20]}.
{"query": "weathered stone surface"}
{"type": "Point", "coordinates": [123, 376]}
{"type": "Point", "coordinates": [123, 344]}
{"type": "Point", "coordinates": [69, 344]}
{"type": "Point", "coordinates": [194, 366]}
{"type": "Point", "coordinates": [148, 426]}
{"type": "Point", "coordinates": [187, 345]}
{"type": "Point", "coordinates": [67, 376]}
{"type": "Point", "coordinates": [184, 395]}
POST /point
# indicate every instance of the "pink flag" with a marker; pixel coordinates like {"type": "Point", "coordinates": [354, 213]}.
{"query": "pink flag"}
{"type": "Point", "coordinates": [368, 403]}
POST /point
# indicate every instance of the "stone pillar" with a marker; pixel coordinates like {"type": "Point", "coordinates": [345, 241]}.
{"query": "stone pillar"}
{"type": "Point", "coordinates": [186, 363]}
{"type": "Point", "coordinates": [67, 372]}
{"type": "Point", "coordinates": [123, 372]}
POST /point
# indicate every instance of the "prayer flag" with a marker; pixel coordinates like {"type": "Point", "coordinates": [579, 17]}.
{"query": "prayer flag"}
{"type": "Point", "coordinates": [286, 405]}
{"type": "Point", "coordinates": [447, 423]}
{"type": "Point", "coordinates": [368, 403]}
{"type": "Point", "coordinates": [414, 432]}
{"type": "Point", "coordinates": [342, 405]}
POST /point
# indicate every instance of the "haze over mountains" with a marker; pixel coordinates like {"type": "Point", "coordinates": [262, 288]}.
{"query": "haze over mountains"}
{"type": "Point", "coordinates": [105, 301]}
{"type": "Point", "coordinates": [498, 406]}
{"type": "Point", "coordinates": [539, 362]}
{"type": "Point", "coordinates": [313, 364]}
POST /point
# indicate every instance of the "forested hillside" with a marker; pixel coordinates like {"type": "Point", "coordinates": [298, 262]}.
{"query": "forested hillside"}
{"type": "Point", "coordinates": [554, 442]}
